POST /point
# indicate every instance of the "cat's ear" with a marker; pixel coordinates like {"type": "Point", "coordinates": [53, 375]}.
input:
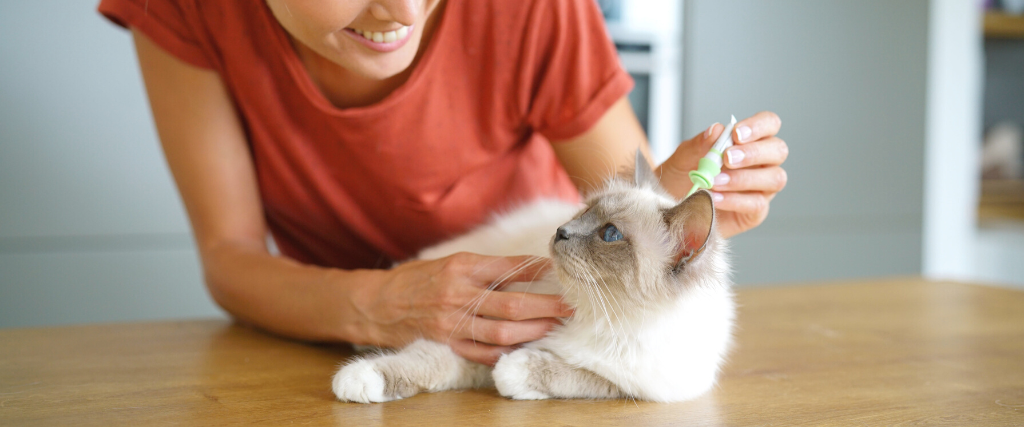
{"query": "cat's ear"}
{"type": "Point", "coordinates": [643, 176]}
{"type": "Point", "coordinates": [692, 221]}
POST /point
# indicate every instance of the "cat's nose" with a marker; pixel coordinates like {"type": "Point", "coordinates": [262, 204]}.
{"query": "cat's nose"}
{"type": "Point", "coordinates": [561, 234]}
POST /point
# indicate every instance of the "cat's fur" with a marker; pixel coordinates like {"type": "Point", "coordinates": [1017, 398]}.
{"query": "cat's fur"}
{"type": "Point", "coordinates": [654, 311]}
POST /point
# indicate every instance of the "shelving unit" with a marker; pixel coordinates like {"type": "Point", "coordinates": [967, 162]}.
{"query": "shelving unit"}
{"type": "Point", "coordinates": [999, 244]}
{"type": "Point", "coordinates": [999, 25]}
{"type": "Point", "coordinates": [1001, 199]}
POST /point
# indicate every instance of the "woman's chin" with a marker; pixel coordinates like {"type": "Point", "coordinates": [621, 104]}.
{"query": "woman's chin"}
{"type": "Point", "coordinates": [376, 65]}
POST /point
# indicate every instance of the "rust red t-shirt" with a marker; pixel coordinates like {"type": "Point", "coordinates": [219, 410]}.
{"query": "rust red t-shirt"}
{"type": "Point", "coordinates": [466, 136]}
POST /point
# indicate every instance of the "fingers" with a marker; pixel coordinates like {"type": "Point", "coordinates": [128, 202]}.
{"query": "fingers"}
{"type": "Point", "coordinates": [487, 270]}
{"type": "Point", "coordinates": [485, 340]}
{"type": "Point", "coordinates": [751, 176]}
{"type": "Point", "coordinates": [758, 126]}
{"type": "Point", "coordinates": [751, 203]}
{"type": "Point", "coordinates": [505, 332]}
{"type": "Point", "coordinates": [770, 179]}
{"type": "Point", "coordinates": [771, 151]}
{"type": "Point", "coordinates": [478, 352]}
{"type": "Point", "coordinates": [522, 306]}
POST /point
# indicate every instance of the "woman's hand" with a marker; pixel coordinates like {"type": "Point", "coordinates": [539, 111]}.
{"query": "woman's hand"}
{"type": "Point", "coordinates": [751, 175]}
{"type": "Point", "coordinates": [445, 300]}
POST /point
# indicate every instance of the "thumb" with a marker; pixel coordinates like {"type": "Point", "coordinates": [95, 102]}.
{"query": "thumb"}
{"type": "Point", "coordinates": [491, 269]}
{"type": "Point", "coordinates": [675, 171]}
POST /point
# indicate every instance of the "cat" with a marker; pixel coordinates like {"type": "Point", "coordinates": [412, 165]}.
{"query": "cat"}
{"type": "Point", "coordinates": [647, 275]}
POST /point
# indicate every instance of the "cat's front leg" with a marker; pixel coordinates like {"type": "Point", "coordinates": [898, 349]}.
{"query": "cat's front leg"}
{"type": "Point", "coordinates": [533, 374]}
{"type": "Point", "coordinates": [421, 366]}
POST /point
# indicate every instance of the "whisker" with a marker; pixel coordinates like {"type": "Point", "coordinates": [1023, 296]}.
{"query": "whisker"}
{"type": "Point", "coordinates": [601, 299]}
{"type": "Point", "coordinates": [471, 310]}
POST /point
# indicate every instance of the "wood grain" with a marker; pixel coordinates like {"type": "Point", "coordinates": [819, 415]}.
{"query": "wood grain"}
{"type": "Point", "coordinates": [889, 352]}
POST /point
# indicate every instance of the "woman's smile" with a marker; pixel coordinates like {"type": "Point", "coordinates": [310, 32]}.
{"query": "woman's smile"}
{"type": "Point", "coordinates": [381, 41]}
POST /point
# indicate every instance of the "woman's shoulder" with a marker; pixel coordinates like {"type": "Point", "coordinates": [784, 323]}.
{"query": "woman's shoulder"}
{"type": "Point", "coordinates": [192, 30]}
{"type": "Point", "coordinates": [521, 15]}
{"type": "Point", "coordinates": [524, 31]}
{"type": "Point", "coordinates": [554, 59]}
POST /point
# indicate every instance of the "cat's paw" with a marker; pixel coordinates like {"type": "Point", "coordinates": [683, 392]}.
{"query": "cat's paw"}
{"type": "Point", "coordinates": [512, 376]}
{"type": "Point", "coordinates": [360, 382]}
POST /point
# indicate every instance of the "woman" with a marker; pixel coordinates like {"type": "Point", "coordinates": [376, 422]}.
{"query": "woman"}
{"type": "Point", "coordinates": [359, 131]}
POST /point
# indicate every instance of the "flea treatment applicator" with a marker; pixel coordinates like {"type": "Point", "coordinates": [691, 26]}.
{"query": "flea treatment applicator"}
{"type": "Point", "coordinates": [711, 164]}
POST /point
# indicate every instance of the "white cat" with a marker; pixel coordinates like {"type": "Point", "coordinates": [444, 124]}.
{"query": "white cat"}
{"type": "Point", "coordinates": [648, 278]}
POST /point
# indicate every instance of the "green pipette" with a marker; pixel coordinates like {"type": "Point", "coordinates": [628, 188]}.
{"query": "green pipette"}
{"type": "Point", "coordinates": [711, 164]}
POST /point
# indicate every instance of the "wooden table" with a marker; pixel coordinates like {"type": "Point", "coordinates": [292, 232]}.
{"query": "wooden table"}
{"type": "Point", "coordinates": [892, 352]}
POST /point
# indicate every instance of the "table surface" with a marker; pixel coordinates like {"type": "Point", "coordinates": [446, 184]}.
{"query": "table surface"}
{"type": "Point", "coordinates": [885, 352]}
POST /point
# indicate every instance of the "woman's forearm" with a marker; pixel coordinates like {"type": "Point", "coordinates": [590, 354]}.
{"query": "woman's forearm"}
{"type": "Point", "coordinates": [207, 150]}
{"type": "Point", "coordinates": [285, 297]}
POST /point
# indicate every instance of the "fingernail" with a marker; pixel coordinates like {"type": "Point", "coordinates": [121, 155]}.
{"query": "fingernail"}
{"type": "Point", "coordinates": [722, 179]}
{"type": "Point", "coordinates": [743, 132]}
{"type": "Point", "coordinates": [716, 197]}
{"type": "Point", "coordinates": [707, 133]}
{"type": "Point", "coordinates": [735, 156]}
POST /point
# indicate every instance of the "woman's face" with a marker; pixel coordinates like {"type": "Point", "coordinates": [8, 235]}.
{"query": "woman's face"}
{"type": "Point", "coordinates": [376, 39]}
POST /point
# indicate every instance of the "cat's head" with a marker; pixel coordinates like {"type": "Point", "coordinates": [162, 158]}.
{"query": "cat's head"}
{"type": "Point", "coordinates": [634, 247]}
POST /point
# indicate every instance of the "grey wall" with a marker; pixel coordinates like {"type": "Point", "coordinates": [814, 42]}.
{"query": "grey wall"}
{"type": "Point", "coordinates": [848, 80]}
{"type": "Point", "coordinates": [91, 228]}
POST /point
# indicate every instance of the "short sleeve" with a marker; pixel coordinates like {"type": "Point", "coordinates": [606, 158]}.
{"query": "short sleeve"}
{"type": "Point", "coordinates": [166, 22]}
{"type": "Point", "coordinates": [572, 72]}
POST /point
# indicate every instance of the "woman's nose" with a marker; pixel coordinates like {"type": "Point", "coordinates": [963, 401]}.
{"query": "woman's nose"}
{"type": "Point", "coordinates": [403, 12]}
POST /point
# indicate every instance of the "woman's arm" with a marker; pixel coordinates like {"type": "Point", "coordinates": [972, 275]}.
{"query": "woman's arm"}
{"type": "Point", "coordinates": [606, 149]}
{"type": "Point", "coordinates": [206, 150]}
{"type": "Point", "coordinates": [742, 192]}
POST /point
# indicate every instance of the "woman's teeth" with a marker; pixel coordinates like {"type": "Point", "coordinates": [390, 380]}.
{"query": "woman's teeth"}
{"type": "Point", "coordinates": [388, 37]}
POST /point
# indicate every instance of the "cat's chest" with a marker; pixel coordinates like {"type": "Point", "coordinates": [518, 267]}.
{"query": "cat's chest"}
{"type": "Point", "coordinates": [652, 339]}
{"type": "Point", "coordinates": [590, 344]}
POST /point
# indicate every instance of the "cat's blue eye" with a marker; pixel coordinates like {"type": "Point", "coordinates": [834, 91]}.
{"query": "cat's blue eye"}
{"type": "Point", "coordinates": [611, 234]}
